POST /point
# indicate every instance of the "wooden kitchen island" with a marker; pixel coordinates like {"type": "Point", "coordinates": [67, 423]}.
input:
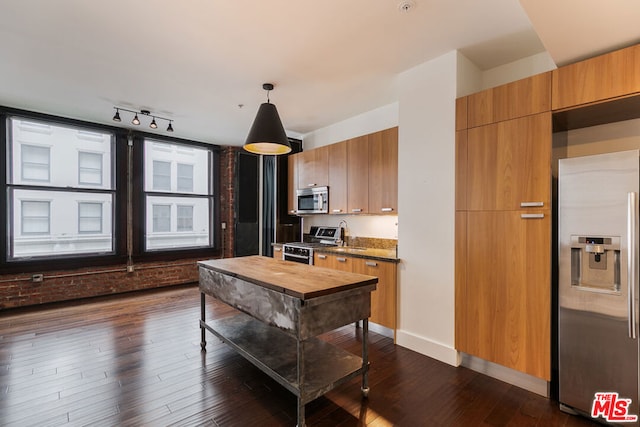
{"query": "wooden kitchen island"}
{"type": "Point", "coordinates": [282, 307]}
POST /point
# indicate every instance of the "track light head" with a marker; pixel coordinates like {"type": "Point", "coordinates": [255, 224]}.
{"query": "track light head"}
{"type": "Point", "coordinates": [136, 120]}
{"type": "Point", "coordinates": [153, 124]}
{"type": "Point", "coordinates": [116, 116]}
{"type": "Point", "coordinates": [169, 128]}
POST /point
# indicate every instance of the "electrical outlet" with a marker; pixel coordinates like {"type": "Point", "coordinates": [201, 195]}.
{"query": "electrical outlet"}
{"type": "Point", "coordinates": [130, 269]}
{"type": "Point", "coordinates": [37, 278]}
{"type": "Point", "coordinates": [224, 225]}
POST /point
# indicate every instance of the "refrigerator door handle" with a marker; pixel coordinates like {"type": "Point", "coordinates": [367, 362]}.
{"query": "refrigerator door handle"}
{"type": "Point", "coordinates": [631, 263]}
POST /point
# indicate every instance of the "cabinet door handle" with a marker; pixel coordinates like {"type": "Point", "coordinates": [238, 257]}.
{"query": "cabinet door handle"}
{"type": "Point", "coordinates": [311, 185]}
{"type": "Point", "coordinates": [336, 210]}
{"type": "Point", "coordinates": [341, 259]}
{"type": "Point", "coordinates": [371, 264]}
{"type": "Point", "coordinates": [322, 256]}
{"type": "Point", "coordinates": [356, 210]}
{"type": "Point", "coordinates": [387, 209]}
{"type": "Point", "coordinates": [277, 249]}
{"type": "Point", "coordinates": [532, 216]}
{"type": "Point", "coordinates": [531, 204]}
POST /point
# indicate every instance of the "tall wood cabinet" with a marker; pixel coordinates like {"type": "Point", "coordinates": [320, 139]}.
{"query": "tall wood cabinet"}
{"type": "Point", "coordinates": [503, 226]}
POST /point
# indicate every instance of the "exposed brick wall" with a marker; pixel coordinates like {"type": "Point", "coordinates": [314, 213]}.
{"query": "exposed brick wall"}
{"type": "Point", "coordinates": [228, 159]}
{"type": "Point", "coordinates": [17, 290]}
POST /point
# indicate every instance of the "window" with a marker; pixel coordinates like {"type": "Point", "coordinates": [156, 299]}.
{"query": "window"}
{"type": "Point", "coordinates": [185, 178]}
{"type": "Point", "coordinates": [161, 218]}
{"type": "Point", "coordinates": [161, 175]}
{"type": "Point", "coordinates": [183, 218]}
{"type": "Point", "coordinates": [89, 168]}
{"type": "Point", "coordinates": [35, 163]}
{"type": "Point", "coordinates": [52, 169]}
{"type": "Point", "coordinates": [35, 217]}
{"type": "Point", "coordinates": [89, 217]}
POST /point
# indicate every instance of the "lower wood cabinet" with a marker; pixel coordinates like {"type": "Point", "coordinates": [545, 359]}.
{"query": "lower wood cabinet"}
{"type": "Point", "coordinates": [277, 251]}
{"type": "Point", "coordinates": [503, 297]}
{"type": "Point", "coordinates": [384, 298]}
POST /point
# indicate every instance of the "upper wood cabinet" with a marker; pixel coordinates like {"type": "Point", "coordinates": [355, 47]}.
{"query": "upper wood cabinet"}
{"type": "Point", "coordinates": [509, 164]}
{"type": "Point", "coordinates": [362, 173]}
{"type": "Point", "coordinates": [358, 175]}
{"type": "Point", "coordinates": [517, 99]}
{"type": "Point", "coordinates": [603, 77]}
{"type": "Point", "coordinates": [338, 178]}
{"type": "Point", "coordinates": [383, 171]}
{"type": "Point", "coordinates": [313, 168]}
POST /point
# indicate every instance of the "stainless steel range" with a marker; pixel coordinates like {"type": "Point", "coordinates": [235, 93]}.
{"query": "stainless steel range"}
{"type": "Point", "coordinates": [302, 252]}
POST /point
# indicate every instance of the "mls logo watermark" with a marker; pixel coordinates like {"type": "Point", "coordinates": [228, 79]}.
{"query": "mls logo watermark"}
{"type": "Point", "coordinates": [612, 408]}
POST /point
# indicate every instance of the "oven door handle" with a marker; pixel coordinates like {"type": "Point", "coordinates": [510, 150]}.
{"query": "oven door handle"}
{"type": "Point", "coordinates": [296, 256]}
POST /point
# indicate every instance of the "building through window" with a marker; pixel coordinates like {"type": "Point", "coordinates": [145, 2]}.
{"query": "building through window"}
{"type": "Point", "coordinates": [60, 190]}
{"type": "Point", "coordinates": [179, 208]}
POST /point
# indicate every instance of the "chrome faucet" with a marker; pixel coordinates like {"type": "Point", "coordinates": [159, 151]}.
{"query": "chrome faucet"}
{"type": "Point", "coordinates": [343, 232]}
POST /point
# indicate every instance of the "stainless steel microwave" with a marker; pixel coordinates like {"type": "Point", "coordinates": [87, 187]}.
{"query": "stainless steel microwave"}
{"type": "Point", "coordinates": [314, 200]}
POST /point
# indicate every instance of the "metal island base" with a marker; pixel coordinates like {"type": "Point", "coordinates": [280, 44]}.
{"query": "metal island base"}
{"type": "Point", "coordinates": [283, 306]}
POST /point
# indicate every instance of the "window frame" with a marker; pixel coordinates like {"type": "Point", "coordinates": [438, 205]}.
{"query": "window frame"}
{"type": "Point", "coordinates": [80, 168]}
{"type": "Point", "coordinates": [22, 218]}
{"type": "Point", "coordinates": [80, 217]}
{"type": "Point", "coordinates": [212, 197]}
{"type": "Point", "coordinates": [127, 154]}
{"type": "Point", "coordinates": [22, 163]}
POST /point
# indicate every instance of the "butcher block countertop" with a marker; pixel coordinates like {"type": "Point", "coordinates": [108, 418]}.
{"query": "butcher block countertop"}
{"type": "Point", "coordinates": [298, 280]}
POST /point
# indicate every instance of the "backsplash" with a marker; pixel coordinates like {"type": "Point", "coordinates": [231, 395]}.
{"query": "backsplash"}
{"type": "Point", "coordinates": [371, 242]}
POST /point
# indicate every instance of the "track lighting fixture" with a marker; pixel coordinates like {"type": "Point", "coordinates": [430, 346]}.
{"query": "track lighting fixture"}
{"type": "Point", "coordinates": [267, 135]}
{"type": "Point", "coordinates": [136, 119]}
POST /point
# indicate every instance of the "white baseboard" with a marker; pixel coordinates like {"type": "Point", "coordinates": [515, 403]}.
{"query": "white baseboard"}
{"type": "Point", "coordinates": [382, 330]}
{"type": "Point", "coordinates": [430, 348]}
{"type": "Point", "coordinates": [508, 375]}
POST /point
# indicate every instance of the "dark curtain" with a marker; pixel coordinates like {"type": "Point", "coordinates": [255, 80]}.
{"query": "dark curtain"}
{"type": "Point", "coordinates": [247, 233]}
{"type": "Point", "coordinates": [268, 204]}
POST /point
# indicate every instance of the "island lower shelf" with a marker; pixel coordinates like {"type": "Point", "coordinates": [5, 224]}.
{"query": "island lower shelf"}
{"type": "Point", "coordinates": [275, 352]}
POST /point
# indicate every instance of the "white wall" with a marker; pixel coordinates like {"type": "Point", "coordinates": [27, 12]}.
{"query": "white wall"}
{"type": "Point", "coordinates": [426, 186]}
{"type": "Point", "coordinates": [516, 70]}
{"type": "Point", "coordinates": [372, 121]}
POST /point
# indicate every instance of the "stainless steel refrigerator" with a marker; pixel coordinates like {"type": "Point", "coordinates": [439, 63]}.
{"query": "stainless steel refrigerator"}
{"type": "Point", "coordinates": [598, 283]}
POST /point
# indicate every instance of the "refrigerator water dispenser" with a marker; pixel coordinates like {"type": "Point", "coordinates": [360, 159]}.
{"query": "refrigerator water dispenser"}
{"type": "Point", "coordinates": [595, 263]}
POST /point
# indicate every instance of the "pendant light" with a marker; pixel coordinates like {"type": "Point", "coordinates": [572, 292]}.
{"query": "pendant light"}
{"type": "Point", "coordinates": [267, 135]}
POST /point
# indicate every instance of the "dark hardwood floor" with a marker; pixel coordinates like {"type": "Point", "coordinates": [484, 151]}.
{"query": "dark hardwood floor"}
{"type": "Point", "coordinates": [135, 360]}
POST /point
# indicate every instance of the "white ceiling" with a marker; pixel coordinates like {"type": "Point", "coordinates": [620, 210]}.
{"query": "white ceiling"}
{"type": "Point", "coordinates": [198, 61]}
